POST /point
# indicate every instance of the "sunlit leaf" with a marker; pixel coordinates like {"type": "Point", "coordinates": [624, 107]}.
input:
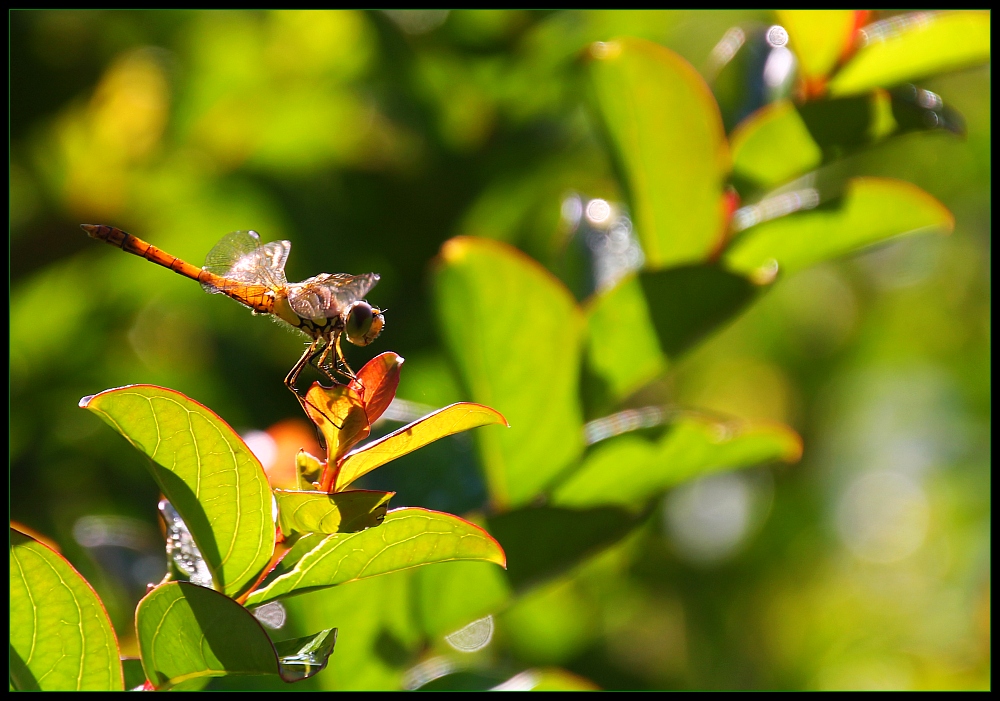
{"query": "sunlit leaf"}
{"type": "Point", "coordinates": [308, 469]}
{"type": "Point", "coordinates": [630, 470]}
{"type": "Point", "coordinates": [514, 332]}
{"type": "Point", "coordinates": [340, 414]}
{"type": "Point", "coordinates": [818, 37]}
{"type": "Point", "coordinates": [340, 512]}
{"type": "Point", "coordinates": [443, 422]}
{"type": "Point", "coordinates": [377, 382]}
{"type": "Point", "coordinates": [782, 141]}
{"type": "Point", "coordinates": [187, 632]}
{"type": "Point", "coordinates": [549, 679]}
{"type": "Point", "coordinates": [205, 470]}
{"type": "Point", "coordinates": [542, 542]}
{"type": "Point", "coordinates": [407, 538]}
{"type": "Point", "coordinates": [774, 145]}
{"type": "Point", "coordinates": [667, 136]}
{"type": "Point", "coordinates": [60, 635]}
{"type": "Point", "coordinates": [872, 210]}
{"type": "Point", "coordinates": [915, 46]}
{"type": "Point", "coordinates": [689, 302]}
{"type": "Point", "coordinates": [452, 594]}
{"type": "Point", "coordinates": [623, 349]}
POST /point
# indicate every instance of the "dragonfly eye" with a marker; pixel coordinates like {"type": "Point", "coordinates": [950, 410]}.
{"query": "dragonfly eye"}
{"type": "Point", "coordinates": [359, 324]}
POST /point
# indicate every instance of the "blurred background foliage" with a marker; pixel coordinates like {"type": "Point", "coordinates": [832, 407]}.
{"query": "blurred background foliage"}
{"type": "Point", "coordinates": [370, 139]}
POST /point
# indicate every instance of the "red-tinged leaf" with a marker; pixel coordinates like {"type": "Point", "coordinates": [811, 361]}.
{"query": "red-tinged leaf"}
{"type": "Point", "coordinates": [444, 422]}
{"type": "Point", "coordinates": [377, 381]}
{"type": "Point", "coordinates": [340, 414]}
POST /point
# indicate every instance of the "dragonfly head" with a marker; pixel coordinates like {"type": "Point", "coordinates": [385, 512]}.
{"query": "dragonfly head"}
{"type": "Point", "coordinates": [363, 323]}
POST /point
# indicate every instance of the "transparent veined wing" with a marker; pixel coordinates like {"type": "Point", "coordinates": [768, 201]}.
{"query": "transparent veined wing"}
{"type": "Point", "coordinates": [326, 296]}
{"type": "Point", "coordinates": [241, 258]}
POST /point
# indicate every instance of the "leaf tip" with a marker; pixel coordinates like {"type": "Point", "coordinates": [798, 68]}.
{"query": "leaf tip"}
{"type": "Point", "coordinates": [85, 401]}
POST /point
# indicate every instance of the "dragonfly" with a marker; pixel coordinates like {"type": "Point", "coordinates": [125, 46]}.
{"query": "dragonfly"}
{"type": "Point", "coordinates": [325, 307]}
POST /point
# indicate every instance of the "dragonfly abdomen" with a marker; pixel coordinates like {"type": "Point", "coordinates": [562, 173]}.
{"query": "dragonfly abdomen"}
{"type": "Point", "coordinates": [257, 297]}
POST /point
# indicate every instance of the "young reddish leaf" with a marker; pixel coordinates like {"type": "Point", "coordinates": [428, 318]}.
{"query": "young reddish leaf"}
{"type": "Point", "coordinates": [407, 538]}
{"type": "Point", "coordinates": [444, 422]}
{"type": "Point", "coordinates": [377, 381]}
{"type": "Point", "coordinates": [341, 512]}
{"type": "Point", "coordinates": [60, 635]}
{"type": "Point", "coordinates": [340, 414]}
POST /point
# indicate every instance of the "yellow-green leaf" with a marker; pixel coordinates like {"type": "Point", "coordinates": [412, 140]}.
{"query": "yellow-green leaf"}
{"type": "Point", "coordinates": [408, 537]}
{"type": "Point", "coordinates": [871, 210]}
{"type": "Point", "coordinates": [205, 470]}
{"type": "Point", "coordinates": [916, 46]}
{"type": "Point", "coordinates": [622, 348]}
{"type": "Point", "coordinates": [60, 636]}
{"type": "Point", "coordinates": [515, 333]}
{"type": "Point", "coordinates": [774, 145]}
{"type": "Point", "coordinates": [667, 136]}
{"type": "Point", "coordinates": [818, 38]}
{"type": "Point", "coordinates": [340, 512]}
{"type": "Point", "coordinates": [629, 470]}
{"type": "Point", "coordinates": [443, 422]}
{"type": "Point", "coordinates": [186, 632]}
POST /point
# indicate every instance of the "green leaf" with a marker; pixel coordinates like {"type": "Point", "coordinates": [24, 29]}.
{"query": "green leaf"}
{"type": "Point", "coordinates": [187, 632]}
{"type": "Point", "coordinates": [443, 422]}
{"type": "Point", "coordinates": [782, 141]}
{"type": "Point", "coordinates": [689, 302]}
{"type": "Point", "coordinates": [450, 595]}
{"type": "Point", "coordinates": [341, 512]}
{"type": "Point", "coordinates": [818, 37]}
{"type": "Point", "coordinates": [872, 210]}
{"type": "Point", "coordinates": [408, 537]}
{"type": "Point", "coordinates": [544, 541]}
{"type": "Point", "coordinates": [669, 143]}
{"type": "Point", "coordinates": [205, 470]}
{"type": "Point", "coordinates": [622, 348]}
{"type": "Point", "coordinates": [629, 470]}
{"type": "Point", "coordinates": [774, 145]}
{"type": "Point", "coordinates": [914, 47]}
{"type": "Point", "coordinates": [60, 635]}
{"type": "Point", "coordinates": [515, 333]}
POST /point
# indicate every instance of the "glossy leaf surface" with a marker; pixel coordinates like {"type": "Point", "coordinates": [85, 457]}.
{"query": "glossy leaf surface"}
{"type": "Point", "coordinates": [340, 512]}
{"type": "Point", "coordinates": [871, 210]}
{"type": "Point", "coordinates": [187, 632]}
{"type": "Point", "coordinates": [914, 47]}
{"type": "Point", "coordinates": [205, 470]}
{"type": "Point", "coordinates": [443, 422]}
{"type": "Point", "coordinates": [667, 136]}
{"type": "Point", "coordinates": [60, 636]}
{"type": "Point", "coordinates": [630, 470]}
{"type": "Point", "coordinates": [496, 308]}
{"type": "Point", "coordinates": [408, 537]}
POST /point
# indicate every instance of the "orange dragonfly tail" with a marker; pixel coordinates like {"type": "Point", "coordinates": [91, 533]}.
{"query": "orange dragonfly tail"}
{"type": "Point", "coordinates": [257, 297]}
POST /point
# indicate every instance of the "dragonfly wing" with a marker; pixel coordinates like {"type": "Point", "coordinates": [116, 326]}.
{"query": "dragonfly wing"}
{"type": "Point", "coordinates": [241, 258]}
{"type": "Point", "coordinates": [326, 296]}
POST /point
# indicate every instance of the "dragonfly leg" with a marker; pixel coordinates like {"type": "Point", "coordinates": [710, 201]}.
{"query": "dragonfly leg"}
{"type": "Point", "coordinates": [293, 374]}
